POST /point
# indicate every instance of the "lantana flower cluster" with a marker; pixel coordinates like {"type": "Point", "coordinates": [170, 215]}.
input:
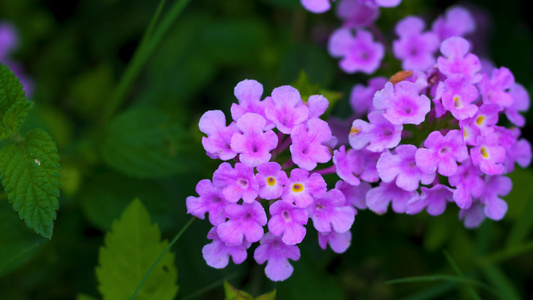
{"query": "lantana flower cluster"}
{"type": "Point", "coordinates": [268, 180]}
{"type": "Point", "coordinates": [437, 136]}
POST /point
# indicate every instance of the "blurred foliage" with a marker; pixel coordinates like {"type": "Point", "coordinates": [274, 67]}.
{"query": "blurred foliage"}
{"type": "Point", "coordinates": [76, 53]}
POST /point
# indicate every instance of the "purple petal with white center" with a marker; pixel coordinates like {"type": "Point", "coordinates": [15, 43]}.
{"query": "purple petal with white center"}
{"type": "Point", "coordinates": [456, 59]}
{"type": "Point", "coordinates": [442, 153]}
{"type": "Point", "coordinates": [307, 147]}
{"type": "Point", "coordinates": [415, 48]}
{"type": "Point", "coordinates": [271, 180]}
{"type": "Point", "coordinates": [302, 188]}
{"type": "Point", "coordinates": [402, 103]}
{"type": "Point", "coordinates": [488, 155]}
{"type": "Point", "coordinates": [286, 109]}
{"type": "Point", "coordinates": [379, 134]}
{"type": "Point", "coordinates": [331, 212]}
{"type": "Point", "coordinates": [244, 221]}
{"type": "Point", "coordinates": [254, 145]}
{"type": "Point", "coordinates": [287, 221]}
{"type": "Point", "coordinates": [458, 96]}
{"type": "Point", "coordinates": [236, 183]}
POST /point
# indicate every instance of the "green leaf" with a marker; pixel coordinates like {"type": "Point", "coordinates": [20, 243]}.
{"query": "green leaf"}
{"type": "Point", "coordinates": [13, 104]}
{"type": "Point", "coordinates": [30, 174]}
{"type": "Point", "coordinates": [267, 296]}
{"type": "Point", "coordinates": [235, 294]}
{"type": "Point", "coordinates": [131, 248]}
{"type": "Point", "coordinates": [18, 244]}
{"type": "Point", "coordinates": [85, 297]}
{"type": "Point", "coordinates": [144, 142]}
{"type": "Point", "coordinates": [500, 281]}
{"type": "Point", "coordinates": [306, 89]}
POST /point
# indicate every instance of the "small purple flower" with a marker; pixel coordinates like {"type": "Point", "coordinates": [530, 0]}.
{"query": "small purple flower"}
{"type": "Point", "coordinates": [469, 183]}
{"type": "Point", "coordinates": [339, 242]}
{"type": "Point", "coordinates": [359, 53]}
{"type": "Point", "coordinates": [488, 155]}
{"type": "Point", "coordinates": [308, 147]}
{"type": "Point", "coordinates": [316, 6]}
{"type": "Point", "coordinates": [388, 3]}
{"type": "Point", "coordinates": [378, 198]}
{"type": "Point", "coordinates": [457, 60]}
{"type": "Point", "coordinates": [442, 153]}
{"type": "Point", "coordinates": [456, 22]}
{"type": "Point", "coordinates": [302, 188]}
{"type": "Point", "coordinates": [402, 103]}
{"type": "Point", "coordinates": [286, 108]}
{"type": "Point", "coordinates": [287, 221]}
{"type": "Point", "coordinates": [414, 47]}
{"type": "Point", "coordinates": [495, 207]}
{"type": "Point", "coordinates": [434, 200]}
{"type": "Point", "coordinates": [331, 212]}
{"type": "Point", "coordinates": [271, 180]}
{"type": "Point", "coordinates": [496, 89]}
{"type": "Point", "coordinates": [379, 135]}
{"type": "Point", "coordinates": [248, 92]}
{"type": "Point", "coordinates": [8, 39]}
{"type": "Point", "coordinates": [254, 145]}
{"type": "Point", "coordinates": [458, 96]}
{"type": "Point", "coordinates": [236, 183]}
{"type": "Point", "coordinates": [348, 165]}
{"type": "Point", "coordinates": [277, 253]}
{"type": "Point", "coordinates": [317, 105]}
{"type": "Point", "coordinates": [355, 195]}
{"type": "Point", "coordinates": [356, 13]}
{"type": "Point", "coordinates": [217, 253]}
{"type": "Point", "coordinates": [481, 124]}
{"type": "Point", "coordinates": [245, 221]}
{"type": "Point", "coordinates": [362, 97]}
{"type": "Point", "coordinates": [401, 167]}
{"type": "Point", "coordinates": [520, 103]}
{"type": "Point", "coordinates": [210, 201]}
{"type": "Point", "coordinates": [473, 216]}
{"type": "Point", "coordinates": [370, 172]}
{"type": "Point", "coordinates": [217, 142]}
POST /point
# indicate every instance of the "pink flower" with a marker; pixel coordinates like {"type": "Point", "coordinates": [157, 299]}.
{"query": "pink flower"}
{"type": "Point", "coordinates": [457, 60]}
{"type": "Point", "coordinates": [414, 47]}
{"type": "Point", "coordinates": [286, 108]}
{"type": "Point", "coordinates": [210, 201]}
{"type": "Point", "coordinates": [362, 97]}
{"type": "Point", "coordinates": [496, 89]}
{"type": "Point", "coordinates": [236, 183]}
{"type": "Point", "coordinates": [253, 144]}
{"type": "Point", "coordinates": [331, 212]}
{"type": "Point", "coordinates": [402, 103]}
{"type": "Point", "coordinates": [339, 242]}
{"type": "Point", "coordinates": [348, 165]}
{"type": "Point", "coordinates": [271, 180]}
{"type": "Point", "coordinates": [359, 53]}
{"type": "Point", "coordinates": [378, 198]}
{"type": "Point", "coordinates": [434, 200]}
{"type": "Point", "coordinates": [442, 153]}
{"type": "Point", "coordinates": [248, 92]}
{"type": "Point", "coordinates": [308, 141]}
{"type": "Point", "coordinates": [302, 188]}
{"type": "Point", "coordinates": [244, 221]}
{"type": "Point", "coordinates": [277, 253]}
{"type": "Point", "coordinates": [287, 221]}
{"type": "Point", "coordinates": [379, 135]}
{"type": "Point", "coordinates": [458, 95]}
{"type": "Point", "coordinates": [316, 6]}
{"type": "Point", "coordinates": [456, 22]}
{"type": "Point", "coordinates": [217, 142]}
{"type": "Point", "coordinates": [217, 253]}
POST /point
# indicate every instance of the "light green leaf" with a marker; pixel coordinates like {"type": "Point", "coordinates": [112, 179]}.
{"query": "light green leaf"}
{"type": "Point", "coordinates": [235, 294]}
{"type": "Point", "coordinates": [267, 296]}
{"type": "Point", "coordinates": [143, 142]}
{"type": "Point", "coordinates": [30, 174]}
{"type": "Point", "coordinates": [131, 248]}
{"type": "Point", "coordinates": [85, 297]}
{"type": "Point", "coordinates": [13, 104]}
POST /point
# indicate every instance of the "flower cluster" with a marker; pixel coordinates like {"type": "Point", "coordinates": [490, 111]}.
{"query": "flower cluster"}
{"type": "Point", "coordinates": [256, 191]}
{"type": "Point", "coordinates": [434, 135]}
{"type": "Point", "coordinates": [9, 41]}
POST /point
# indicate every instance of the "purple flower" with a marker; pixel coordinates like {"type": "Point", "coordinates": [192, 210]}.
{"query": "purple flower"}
{"type": "Point", "coordinates": [379, 135]}
{"type": "Point", "coordinates": [520, 103]}
{"type": "Point", "coordinates": [488, 155]}
{"type": "Point", "coordinates": [362, 97]}
{"type": "Point", "coordinates": [8, 39]}
{"type": "Point", "coordinates": [217, 142]}
{"type": "Point", "coordinates": [331, 212]}
{"type": "Point", "coordinates": [468, 182]}
{"type": "Point", "coordinates": [378, 198]}
{"type": "Point", "coordinates": [456, 22]}
{"type": "Point", "coordinates": [415, 48]}
{"type": "Point", "coordinates": [458, 95]}
{"type": "Point", "coordinates": [254, 145]}
{"type": "Point", "coordinates": [496, 89]}
{"type": "Point", "coordinates": [317, 105]}
{"type": "Point", "coordinates": [286, 109]}
{"type": "Point", "coordinates": [442, 153]}
{"type": "Point", "coordinates": [388, 3]}
{"type": "Point", "coordinates": [356, 13]}
{"type": "Point", "coordinates": [211, 200]}
{"type": "Point", "coordinates": [277, 253]}
{"type": "Point", "coordinates": [359, 53]}
{"type": "Point", "coordinates": [457, 60]}
{"type": "Point", "coordinates": [316, 6]}
{"type": "Point", "coordinates": [402, 168]}
{"type": "Point", "coordinates": [271, 180]}
{"type": "Point", "coordinates": [434, 200]}
{"type": "Point", "coordinates": [307, 147]}
{"type": "Point", "coordinates": [217, 253]}
{"type": "Point", "coordinates": [236, 183]}
{"type": "Point", "coordinates": [355, 195]}
{"type": "Point", "coordinates": [302, 188]}
{"type": "Point", "coordinates": [246, 221]}
{"type": "Point", "coordinates": [521, 153]}
{"type": "Point", "coordinates": [481, 124]}
{"type": "Point", "coordinates": [402, 103]}
{"type": "Point", "coordinates": [339, 242]}
{"type": "Point", "coordinates": [370, 172]}
{"type": "Point", "coordinates": [288, 222]}
{"type": "Point", "coordinates": [495, 208]}
{"type": "Point", "coordinates": [248, 92]}
{"type": "Point", "coordinates": [473, 216]}
{"type": "Point", "coordinates": [348, 164]}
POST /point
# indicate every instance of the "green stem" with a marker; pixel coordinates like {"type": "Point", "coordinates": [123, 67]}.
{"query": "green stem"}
{"type": "Point", "coordinates": [209, 287]}
{"type": "Point", "coordinates": [506, 254]}
{"type": "Point", "coordinates": [174, 240]}
{"type": "Point", "coordinates": [141, 55]}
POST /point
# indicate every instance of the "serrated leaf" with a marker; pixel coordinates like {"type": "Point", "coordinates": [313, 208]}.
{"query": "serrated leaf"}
{"type": "Point", "coordinates": [235, 294]}
{"type": "Point", "coordinates": [143, 142]}
{"type": "Point", "coordinates": [30, 174]}
{"type": "Point", "coordinates": [13, 104]}
{"type": "Point", "coordinates": [131, 248]}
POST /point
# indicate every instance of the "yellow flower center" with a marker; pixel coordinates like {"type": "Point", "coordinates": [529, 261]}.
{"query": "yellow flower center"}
{"type": "Point", "coordinates": [480, 120]}
{"type": "Point", "coordinates": [354, 131]}
{"type": "Point", "coordinates": [271, 181]}
{"type": "Point", "coordinates": [297, 187]}
{"type": "Point", "coordinates": [484, 152]}
{"type": "Point", "coordinates": [457, 101]}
